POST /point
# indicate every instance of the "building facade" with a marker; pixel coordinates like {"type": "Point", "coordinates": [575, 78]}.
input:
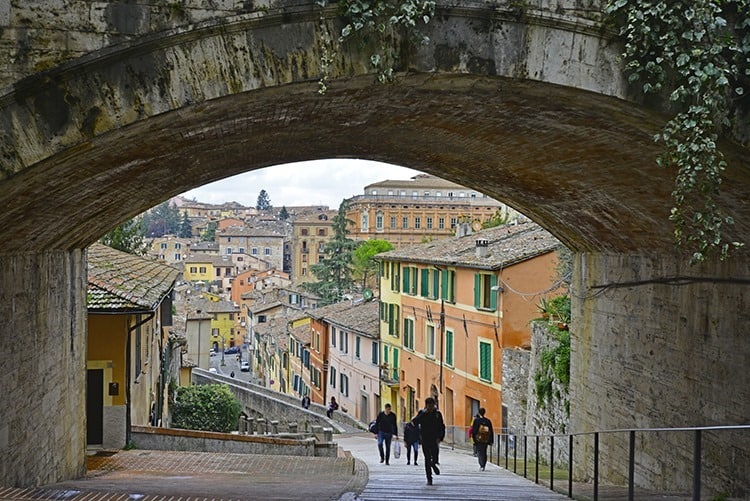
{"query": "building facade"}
{"type": "Point", "coordinates": [310, 234]}
{"type": "Point", "coordinates": [420, 209]}
{"type": "Point", "coordinates": [449, 310]}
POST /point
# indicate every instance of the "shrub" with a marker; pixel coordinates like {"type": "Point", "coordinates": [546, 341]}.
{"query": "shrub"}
{"type": "Point", "coordinates": [210, 407]}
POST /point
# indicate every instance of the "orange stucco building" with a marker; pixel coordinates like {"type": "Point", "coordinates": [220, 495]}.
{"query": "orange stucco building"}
{"type": "Point", "coordinates": [449, 308]}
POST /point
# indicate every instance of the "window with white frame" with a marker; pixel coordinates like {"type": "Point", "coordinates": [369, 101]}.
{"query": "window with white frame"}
{"type": "Point", "coordinates": [429, 339]}
{"type": "Point", "coordinates": [344, 387]}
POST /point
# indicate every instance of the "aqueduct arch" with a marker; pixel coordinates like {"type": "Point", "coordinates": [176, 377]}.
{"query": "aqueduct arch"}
{"type": "Point", "coordinates": [101, 138]}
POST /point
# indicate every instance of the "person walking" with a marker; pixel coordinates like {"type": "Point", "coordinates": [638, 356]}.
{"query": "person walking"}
{"type": "Point", "coordinates": [432, 430]}
{"type": "Point", "coordinates": [386, 426]}
{"type": "Point", "coordinates": [332, 406]}
{"type": "Point", "coordinates": [411, 440]}
{"type": "Point", "coordinates": [306, 401]}
{"type": "Point", "coordinates": [481, 432]}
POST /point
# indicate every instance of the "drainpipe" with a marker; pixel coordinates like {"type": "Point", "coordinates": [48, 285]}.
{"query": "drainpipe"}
{"type": "Point", "coordinates": [128, 375]}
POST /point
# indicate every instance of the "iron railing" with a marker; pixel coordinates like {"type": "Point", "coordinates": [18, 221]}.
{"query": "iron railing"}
{"type": "Point", "coordinates": [508, 443]}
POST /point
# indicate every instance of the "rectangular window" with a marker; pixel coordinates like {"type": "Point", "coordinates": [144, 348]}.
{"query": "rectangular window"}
{"type": "Point", "coordinates": [429, 223]}
{"type": "Point", "coordinates": [393, 222]}
{"type": "Point", "coordinates": [375, 352]}
{"type": "Point", "coordinates": [333, 377]}
{"type": "Point", "coordinates": [333, 336]}
{"type": "Point", "coordinates": [254, 251]}
{"type": "Point", "coordinates": [202, 270]}
{"type": "Point", "coordinates": [441, 223]}
{"type": "Point", "coordinates": [393, 319]}
{"type": "Point", "coordinates": [229, 250]}
{"type": "Point", "coordinates": [429, 341]}
{"type": "Point", "coordinates": [395, 272]}
{"type": "Point", "coordinates": [410, 280]}
{"type": "Point", "coordinates": [417, 222]}
{"type": "Point", "coordinates": [267, 251]}
{"type": "Point", "coordinates": [164, 245]}
{"type": "Point", "coordinates": [485, 298]}
{"type": "Point", "coordinates": [449, 348]}
{"type": "Point", "coordinates": [386, 353]}
{"type": "Point", "coordinates": [454, 222]}
{"type": "Point", "coordinates": [193, 269]}
{"type": "Point", "coordinates": [357, 346]}
{"type": "Point", "coordinates": [409, 333]}
{"type": "Point", "coordinates": [344, 389]}
{"type": "Point", "coordinates": [430, 283]}
{"type": "Point", "coordinates": [485, 361]}
{"type": "Point", "coordinates": [379, 222]}
{"type": "Point", "coordinates": [405, 222]}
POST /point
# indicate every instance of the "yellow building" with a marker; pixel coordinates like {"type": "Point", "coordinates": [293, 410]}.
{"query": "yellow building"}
{"type": "Point", "coordinates": [223, 331]}
{"type": "Point", "coordinates": [420, 209]}
{"type": "Point", "coordinates": [129, 307]}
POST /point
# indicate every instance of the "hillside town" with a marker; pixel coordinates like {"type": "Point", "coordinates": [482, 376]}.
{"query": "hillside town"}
{"type": "Point", "coordinates": [437, 314]}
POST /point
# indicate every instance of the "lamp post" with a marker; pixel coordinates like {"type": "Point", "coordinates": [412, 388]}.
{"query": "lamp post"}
{"type": "Point", "coordinates": [222, 350]}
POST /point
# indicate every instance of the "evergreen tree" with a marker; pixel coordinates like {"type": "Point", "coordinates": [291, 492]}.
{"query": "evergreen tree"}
{"type": "Point", "coordinates": [264, 202]}
{"type": "Point", "coordinates": [210, 234]}
{"type": "Point", "coordinates": [186, 229]}
{"type": "Point", "coordinates": [164, 219]}
{"type": "Point", "coordinates": [334, 272]}
{"type": "Point", "coordinates": [283, 214]}
{"type": "Point", "coordinates": [127, 237]}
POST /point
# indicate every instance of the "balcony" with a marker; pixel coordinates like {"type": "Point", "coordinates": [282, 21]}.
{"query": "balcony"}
{"type": "Point", "coordinates": [389, 375]}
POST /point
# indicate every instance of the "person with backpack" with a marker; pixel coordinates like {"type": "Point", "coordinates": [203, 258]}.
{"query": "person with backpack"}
{"type": "Point", "coordinates": [483, 436]}
{"type": "Point", "coordinates": [432, 428]}
{"type": "Point", "coordinates": [332, 406]}
{"type": "Point", "coordinates": [411, 440]}
{"type": "Point", "coordinates": [386, 426]}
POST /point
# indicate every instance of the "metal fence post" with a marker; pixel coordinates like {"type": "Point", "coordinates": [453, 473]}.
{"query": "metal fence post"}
{"type": "Point", "coordinates": [631, 467]}
{"type": "Point", "coordinates": [552, 463]}
{"type": "Point", "coordinates": [697, 466]}
{"type": "Point", "coordinates": [536, 469]}
{"type": "Point", "coordinates": [525, 455]}
{"type": "Point", "coordinates": [596, 466]}
{"type": "Point", "coordinates": [570, 467]}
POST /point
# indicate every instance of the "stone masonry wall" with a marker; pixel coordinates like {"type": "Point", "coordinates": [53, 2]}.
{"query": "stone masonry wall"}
{"type": "Point", "coordinates": [43, 342]}
{"type": "Point", "coordinates": [657, 343]}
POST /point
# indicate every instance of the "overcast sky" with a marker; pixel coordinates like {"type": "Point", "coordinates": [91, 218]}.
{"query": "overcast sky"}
{"type": "Point", "coordinates": [321, 182]}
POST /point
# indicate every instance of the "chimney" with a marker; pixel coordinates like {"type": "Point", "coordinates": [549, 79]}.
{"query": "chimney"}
{"type": "Point", "coordinates": [481, 248]}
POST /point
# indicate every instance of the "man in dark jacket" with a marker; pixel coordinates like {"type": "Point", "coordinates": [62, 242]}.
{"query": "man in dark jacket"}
{"type": "Point", "coordinates": [386, 426]}
{"type": "Point", "coordinates": [432, 429]}
{"type": "Point", "coordinates": [481, 432]}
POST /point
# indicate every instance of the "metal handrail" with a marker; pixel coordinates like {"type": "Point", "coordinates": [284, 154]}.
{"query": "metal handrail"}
{"type": "Point", "coordinates": [506, 438]}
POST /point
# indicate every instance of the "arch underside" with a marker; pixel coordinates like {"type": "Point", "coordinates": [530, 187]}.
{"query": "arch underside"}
{"type": "Point", "coordinates": [580, 164]}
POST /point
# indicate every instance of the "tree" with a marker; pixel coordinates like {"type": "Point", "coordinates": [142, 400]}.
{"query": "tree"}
{"type": "Point", "coordinates": [283, 214]}
{"type": "Point", "coordinates": [210, 234]}
{"type": "Point", "coordinates": [364, 266]}
{"type": "Point", "coordinates": [210, 407]}
{"type": "Point", "coordinates": [186, 229]}
{"type": "Point", "coordinates": [164, 219]}
{"type": "Point", "coordinates": [127, 237]}
{"type": "Point", "coordinates": [334, 271]}
{"type": "Point", "coordinates": [264, 202]}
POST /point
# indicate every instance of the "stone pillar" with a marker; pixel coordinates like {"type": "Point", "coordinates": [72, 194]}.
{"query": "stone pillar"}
{"type": "Point", "coordinates": [292, 427]}
{"type": "Point", "coordinates": [251, 426]}
{"type": "Point", "coordinates": [658, 343]}
{"type": "Point", "coordinates": [261, 426]}
{"type": "Point", "coordinates": [43, 342]}
{"type": "Point", "coordinates": [274, 427]}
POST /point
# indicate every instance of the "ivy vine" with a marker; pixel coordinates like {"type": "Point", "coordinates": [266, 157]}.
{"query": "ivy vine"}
{"type": "Point", "coordinates": [699, 52]}
{"type": "Point", "coordinates": [379, 25]}
{"type": "Point", "coordinates": [554, 367]}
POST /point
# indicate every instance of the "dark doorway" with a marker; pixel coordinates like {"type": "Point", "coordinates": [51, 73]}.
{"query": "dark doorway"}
{"type": "Point", "coordinates": [94, 406]}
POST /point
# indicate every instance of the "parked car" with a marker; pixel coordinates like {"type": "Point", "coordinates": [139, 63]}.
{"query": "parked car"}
{"type": "Point", "coordinates": [245, 367]}
{"type": "Point", "coordinates": [213, 370]}
{"type": "Point", "coordinates": [232, 350]}
{"type": "Point", "coordinates": [212, 352]}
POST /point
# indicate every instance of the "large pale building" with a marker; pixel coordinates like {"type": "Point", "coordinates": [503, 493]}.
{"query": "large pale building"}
{"type": "Point", "coordinates": [420, 209]}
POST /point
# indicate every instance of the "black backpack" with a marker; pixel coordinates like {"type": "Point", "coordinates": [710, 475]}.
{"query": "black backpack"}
{"type": "Point", "coordinates": [373, 427]}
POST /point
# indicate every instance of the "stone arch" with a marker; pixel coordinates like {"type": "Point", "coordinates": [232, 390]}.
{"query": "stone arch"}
{"type": "Point", "coordinates": [97, 140]}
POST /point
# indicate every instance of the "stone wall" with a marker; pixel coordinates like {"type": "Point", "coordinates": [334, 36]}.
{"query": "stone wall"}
{"type": "Point", "coordinates": [258, 401]}
{"type": "Point", "coordinates": [164, 439]}
{"type": "Point", "coordinates": [657, 343]}
{"type": "Point", "coordinates": [43, 342]}
{"type": "Point", "coordinates": [515, 387]}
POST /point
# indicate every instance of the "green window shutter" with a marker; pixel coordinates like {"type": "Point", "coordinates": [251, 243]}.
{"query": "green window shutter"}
{"type": "Point", "coordinates": [407, 288]}
{"type": "Point", "coordinates": [452, 286]}
{"type": "Point", "coordinates": [382, 306]}
{"type": "Point", "coordinates": [485, 361]}
{"type": "Point", "coordinates": [425, 285]}
{"type": "Point", "coordinates": [493, 293]}
{"type": "Point", "coordinates": [390, 318]}
{"type": "Point", "coordinates": [385, 354]}
{"type": "Point", "coordinates": [449, 348]}
{"type": "Point", "coordinates": [435, 283]}
{"type": "Point", "coordinates": [413, 271]}
{"type": "Point", "coordinates": [396, 319]}
{"type": "Point", "coordinates": [477, 290]}
{"type": "Point", "coordinates": [444, 285]}
{"type": "Point", "coordinates": [395, 358]}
